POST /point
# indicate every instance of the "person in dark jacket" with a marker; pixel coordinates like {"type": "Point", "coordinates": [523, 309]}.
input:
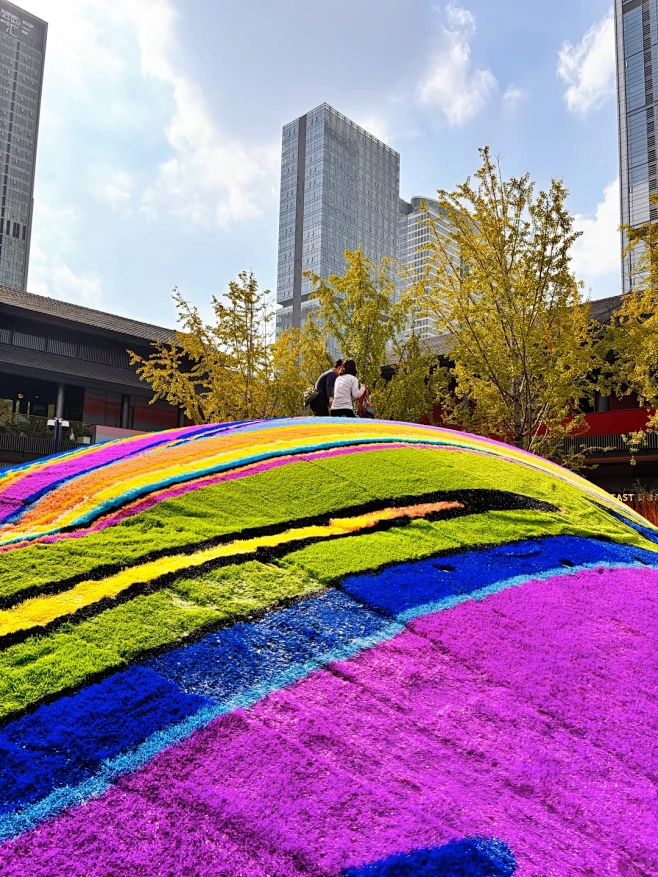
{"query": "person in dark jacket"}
{"type": "Point", "coordinates": [324, 387]}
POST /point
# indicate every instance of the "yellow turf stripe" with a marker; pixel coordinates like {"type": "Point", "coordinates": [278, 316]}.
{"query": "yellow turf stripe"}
{"type": "Point", "coordinates": [62, 505]}
{"type": "Point", "coordinates": [42, 610]}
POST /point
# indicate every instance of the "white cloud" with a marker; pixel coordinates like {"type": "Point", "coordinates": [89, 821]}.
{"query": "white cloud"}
{"type": "Point", "coordinates": [126, 75]}
{"type": "Point", "coordinates": [514, 95]}
{"type": "Point", "coordinates": [88, 84]}
{"type": "Point", "coordinates": [114, 187]}
{"type": "Point", "coordinates": [377, 126]}
{"type": "Point", "coordinates": [451, 83]}
{"type": "Point", "coordinates": [588, 68]}
{"type": "Point", "coordinates": [210, 178]}
{"type": "Point", "coordinates": [597, 252]}
{"type": "Point", "coordinates": [53, 249]}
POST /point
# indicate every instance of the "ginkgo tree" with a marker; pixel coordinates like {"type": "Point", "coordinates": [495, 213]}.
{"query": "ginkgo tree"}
{"type": "Point", "coordinates": [631, 337]}
{"type": "Point", "coordinates": [231, 369]}
{"type": "Point", "coordinates": [355, 312]}
{"type": "Point", "coordinates": [499, 285]}
{"type": "Point", "coordinates": [360, 314]}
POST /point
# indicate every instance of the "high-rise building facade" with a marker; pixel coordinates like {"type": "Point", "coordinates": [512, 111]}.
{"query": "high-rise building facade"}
{"type": "Point", "coordinates": [413, 234]}
{"type": "Point", "coordinates": [22, 51]}
{"type": "Point", "coordinates": [636, 29]}
{"type": "Point", "coordinates": [339, 190]}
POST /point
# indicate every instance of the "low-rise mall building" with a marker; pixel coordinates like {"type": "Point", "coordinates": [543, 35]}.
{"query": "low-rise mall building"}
{"type": "Point", "coordinates": [62, 360]}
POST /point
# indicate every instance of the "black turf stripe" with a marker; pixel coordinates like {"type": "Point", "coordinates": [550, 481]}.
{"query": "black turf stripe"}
{"type": "Point", "coordinates": [475, 501]}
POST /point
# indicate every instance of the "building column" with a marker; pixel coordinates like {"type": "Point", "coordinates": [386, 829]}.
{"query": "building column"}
{"type": "Point", "coordinates": [125, 411]}
{"type": "Point", "coordinates": [602, 402]}
{"type": "Point", "coordinates": [180, 420]}
{"type": "Point", "coordinates": [61, 400]}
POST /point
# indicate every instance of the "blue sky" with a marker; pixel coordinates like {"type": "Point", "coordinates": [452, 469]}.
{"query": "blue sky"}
{"type": "Point", "coordinates": [158, 161]}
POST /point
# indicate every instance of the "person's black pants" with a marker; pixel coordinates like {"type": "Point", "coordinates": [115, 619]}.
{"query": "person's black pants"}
{"type": "Point", "coordinates": [342, 412]}
{"type": "Point", "coordinates": [320, 407]}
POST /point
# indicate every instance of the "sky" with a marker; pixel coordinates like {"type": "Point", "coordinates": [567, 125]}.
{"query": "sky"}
{"type": "Point", "coordinates": [159, 149]}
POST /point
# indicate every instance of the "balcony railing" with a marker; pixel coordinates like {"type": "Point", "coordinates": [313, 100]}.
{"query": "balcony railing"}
{"type": "Point", "coordinates": [32, 426]}
{"type": "Point", "coordinates": [30, 436]}
{"type": "Point", "coordinates": [612, 445]}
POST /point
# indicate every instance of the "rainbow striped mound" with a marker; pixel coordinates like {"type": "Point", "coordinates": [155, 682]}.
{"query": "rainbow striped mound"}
{"type": "Point", "coordinates": [324, 647]}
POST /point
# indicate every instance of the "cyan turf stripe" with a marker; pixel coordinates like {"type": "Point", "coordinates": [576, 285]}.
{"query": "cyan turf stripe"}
{"type": "Point", "coordinates": [26, 818]}
{"type": "Point", "coordinates": [407, 587]}
{"type": "Point", "coordinates": [470, 857]}
{"type": "Point", "coordinates": [235, 668]}
{"type": "Point", "coordinates": [137, 492]}
{"type": "Point", "coordinates": [496, 587]}
{"type": "Point", "coordinates": [141, 445]}
{"type": "Point", "coordinates": [272, 454]}
{"type": "Point", "coordinates": [66, 742]}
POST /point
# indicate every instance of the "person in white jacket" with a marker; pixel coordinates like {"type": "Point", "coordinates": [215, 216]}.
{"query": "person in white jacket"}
{"type": "Point", "coordinates": [346, 391]}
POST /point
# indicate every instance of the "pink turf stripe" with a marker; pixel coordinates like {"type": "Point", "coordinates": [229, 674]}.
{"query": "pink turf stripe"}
{"type": "Point", "coordinates": [529, 716]}
{"type": "Point", "coordinates": [151, 500]}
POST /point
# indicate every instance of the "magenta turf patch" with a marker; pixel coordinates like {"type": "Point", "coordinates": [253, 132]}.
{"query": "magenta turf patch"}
{"type": "Point", "coordinates": [526, 716]}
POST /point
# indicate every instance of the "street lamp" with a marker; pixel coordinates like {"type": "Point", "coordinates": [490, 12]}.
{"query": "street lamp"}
{"type": "Point", "coordinates": [58, 424]}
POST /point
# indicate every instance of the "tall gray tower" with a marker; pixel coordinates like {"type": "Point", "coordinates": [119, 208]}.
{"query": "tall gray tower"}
{"type": "Point", "coordinates": [636, 29]}
{"type": "Point", "coordinates": [22, 51]}
{"type": "Point", "coordinates": [339, 190]}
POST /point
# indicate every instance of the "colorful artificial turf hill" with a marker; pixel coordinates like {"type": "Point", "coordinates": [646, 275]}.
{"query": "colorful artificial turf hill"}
{"type": "Point", "coordinates": [321, 647]}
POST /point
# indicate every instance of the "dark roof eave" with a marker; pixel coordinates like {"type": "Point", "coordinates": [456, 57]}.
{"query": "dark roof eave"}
{"type": "Point", "coordinates": [61, 312]}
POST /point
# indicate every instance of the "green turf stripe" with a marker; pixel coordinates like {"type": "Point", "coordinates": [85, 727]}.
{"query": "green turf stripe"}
{"type": "Point", "coordinates": [328, 562]}
{"type": "Point", "coordinates": [44, 666]}
{"type": "Point", "coordinates": [297, 491]}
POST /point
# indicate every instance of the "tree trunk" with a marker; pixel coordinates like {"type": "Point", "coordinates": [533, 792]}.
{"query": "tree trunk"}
{"type": "Point", "coordinates": [518, 418]}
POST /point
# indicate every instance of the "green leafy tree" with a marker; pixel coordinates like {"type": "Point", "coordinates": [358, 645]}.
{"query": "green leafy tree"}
{"type": "Point", "coordinates": [230, 369]}
{"type": "Point", "coordinates": [631, 338]}
{"type": "Point", "coordinates": [519, 333]}
{"type": "Point", "coordinates": [411, 393]}
{"type": "Point", "coordinates": [298, 358]}
{"type": "Point", "coordinates": [357, 311]}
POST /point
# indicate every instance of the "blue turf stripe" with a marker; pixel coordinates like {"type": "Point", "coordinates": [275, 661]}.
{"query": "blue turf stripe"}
{"type": "Point", "coordinates": [401, 589]}
{"type": "Point", "coordinates": [495, 587]}
{"type": "Point", "coordinates": [233, 660]}
{"type": "Point", "coordinates": [648, 532]}
{"type": "Point", "coordinates": [62, 797]}
{"type": "Point", "coordinates": [470, 857]}
{"type": "Point", "coordinates": [65, 742]}
{"type": "Point", "coordinates": [63, 753]}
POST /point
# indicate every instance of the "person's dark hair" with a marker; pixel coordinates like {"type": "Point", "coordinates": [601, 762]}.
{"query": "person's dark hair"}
{"type": "Point", "coordinates": [338, 364]}
{"type": "Point", "coordinates": [349, 367]}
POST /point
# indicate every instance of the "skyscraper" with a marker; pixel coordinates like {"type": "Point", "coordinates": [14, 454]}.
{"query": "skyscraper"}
{"type": "Point", "coordinates": [22, 50]}
{"type": "Point", "coordinates": [636, 29]}
{"type": "Point", "coordinates": [413, 234]}
{"type": "Point", "coordinates": [339, 190]}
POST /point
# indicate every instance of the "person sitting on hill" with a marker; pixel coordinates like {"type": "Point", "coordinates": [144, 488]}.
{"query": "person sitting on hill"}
{"type": "Point", "coordinates": [346, 390]}
{"type": "Point", "coordinates": [324, 387]}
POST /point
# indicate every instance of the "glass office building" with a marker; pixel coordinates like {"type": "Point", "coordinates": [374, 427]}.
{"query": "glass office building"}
{"type": "Point", "coordinates": [413, 234]}
{"type": "Point", "coordinates": [339, 190]}
{"type": "Point", "coordinates": [22, 50]}
{"type": "Point", "coordinates": [636, 29]}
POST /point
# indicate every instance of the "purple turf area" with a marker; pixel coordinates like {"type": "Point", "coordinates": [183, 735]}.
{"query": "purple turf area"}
{"type": "Point", "coordinates": [529, 717]}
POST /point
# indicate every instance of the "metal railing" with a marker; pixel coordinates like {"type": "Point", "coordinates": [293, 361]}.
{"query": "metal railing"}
{"type": "Point", "coordinates": [33, 426]}
{"type": "Point", "coordinates": [611, 444]}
